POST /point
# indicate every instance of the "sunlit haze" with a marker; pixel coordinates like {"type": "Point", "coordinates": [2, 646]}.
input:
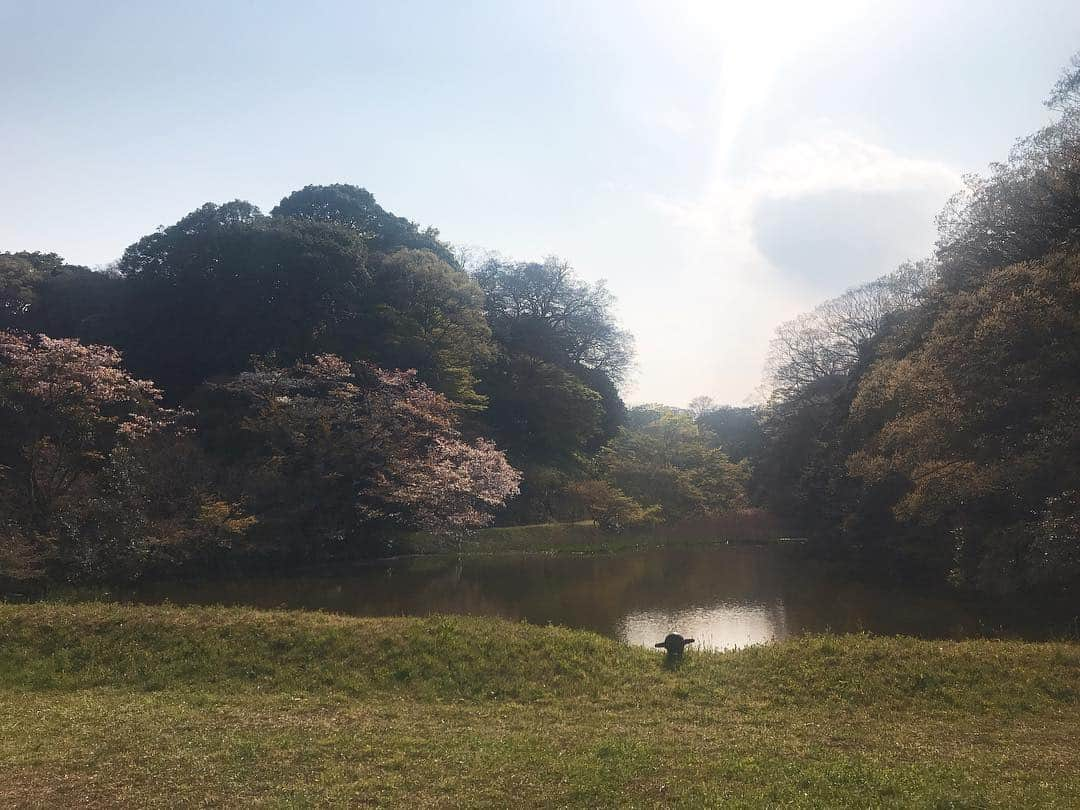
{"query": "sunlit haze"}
{"type": "Point", "coordinates": [723, 166]}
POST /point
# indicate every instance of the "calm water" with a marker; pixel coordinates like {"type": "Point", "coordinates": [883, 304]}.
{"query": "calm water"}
{"type": "Point", "coordinates": [724, 597]}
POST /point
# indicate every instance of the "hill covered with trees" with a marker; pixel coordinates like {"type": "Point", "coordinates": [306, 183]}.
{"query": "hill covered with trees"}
{"type": "Point", "coordinates": [929, 422]}
{"type": "Point", "coordinates": [261, 388]}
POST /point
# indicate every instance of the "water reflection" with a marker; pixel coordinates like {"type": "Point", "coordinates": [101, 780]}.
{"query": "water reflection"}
{"type": "Point", "coordinates": [724, 597]}
{"type": "Point", "coordinates": [720, 627]}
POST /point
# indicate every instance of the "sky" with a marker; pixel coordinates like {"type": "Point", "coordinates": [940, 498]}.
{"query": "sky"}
{"type": "Point", "coordinates": [724, 166]}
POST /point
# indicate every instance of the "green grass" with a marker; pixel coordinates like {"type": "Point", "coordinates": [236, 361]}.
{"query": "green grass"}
{"type": "Point", "coordinates": [104, 705]}
{"type": "Point", "coordinates": [586, 538]}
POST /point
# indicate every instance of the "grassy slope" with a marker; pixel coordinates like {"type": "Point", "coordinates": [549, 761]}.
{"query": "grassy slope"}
{"type": "Point", "coordinates": [104, 705]}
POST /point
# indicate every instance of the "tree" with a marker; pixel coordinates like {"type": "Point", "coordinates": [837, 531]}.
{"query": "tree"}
{"type": "Point", "coordinates": [75, 463]}
{"type": "Point", "coordinates": [552, 386]}
{"type": "Point", "coordinates": [827, 341]}
{"type": "Point", "coordinates": [67, 408]}
{"type": "Point", "coordinates": [981, 423]}
{"type": "Point", "coordinates": [608, 507]}
{"type": "Point", "coordinates": [547, 419]}
{"type": "Point", "coordinates": [545, 311]}
{"type": "Point", "coordinates": [737, 430]}
{"type": "Point", "coordinates": [355, 208]}
{"type": "Point", "coordinates": [327, 451]}
{"type": "Point", "coordinates": [425, 315]}
{"type": "Point", "coordinates": [225, 283]}
{"type": "Point", "coordinates": [700, 405]}
{"type": "Point", "coordinates": [541, 411]}
{"type": "Point", "coordinates": [670, 462]}
{"type": "Point", "coordinates": [1027, 206]}
{"type": "Point", "coordinates": [41, 293]}
{"type": "Point", "coordinates": [814, 364]}
{"type": "Point", "coordinates": [77, 302]}
{"type": "Point", "coordinates": [18, 282]}
{"type": "Point", "coordinates": [928, 418]}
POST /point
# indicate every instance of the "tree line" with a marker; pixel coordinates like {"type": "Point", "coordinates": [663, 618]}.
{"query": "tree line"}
{"type": "Point", "coordinates": [285, 387]}
{"type": "Point", "coordinates": [929, 422]}
{"type": "Point", "coordinates": [249, 388]}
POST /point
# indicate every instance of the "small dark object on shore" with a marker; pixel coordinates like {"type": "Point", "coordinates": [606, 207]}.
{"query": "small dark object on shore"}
{"type": "Point", "coordinates": [674, 644]}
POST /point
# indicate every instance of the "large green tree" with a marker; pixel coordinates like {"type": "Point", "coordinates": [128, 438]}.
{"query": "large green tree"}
{"type": "Point", "coordinates": [422, 313]}
{"type": "Point", "coordinates": [355, 208]}
{"type": "Point", "coordinates": [544, 309]}
{"type": "Point", "coordinates": [552, 384]}
{"type": "Point", "coordinates": [981, 422]}
{"type": "Point", "coordinates": [664, 459]}
{"type": "Point", "coordinates": [225, 283]}
{"type": "Point", "coordinates": [40, 292]}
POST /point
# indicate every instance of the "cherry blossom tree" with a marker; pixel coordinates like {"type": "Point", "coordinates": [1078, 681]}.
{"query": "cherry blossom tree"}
{"type": "Point", "coordinates": [66, 408]}
{"type": "Point", "coordinates": [331, 449]}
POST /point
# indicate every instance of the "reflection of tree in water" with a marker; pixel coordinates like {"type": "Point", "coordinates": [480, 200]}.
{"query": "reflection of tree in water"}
{"type": "Point", "coordinates": [825, 600]}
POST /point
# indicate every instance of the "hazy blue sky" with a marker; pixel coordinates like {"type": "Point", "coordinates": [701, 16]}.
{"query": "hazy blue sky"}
{"type": "Point", "coordinates": [723, 165]}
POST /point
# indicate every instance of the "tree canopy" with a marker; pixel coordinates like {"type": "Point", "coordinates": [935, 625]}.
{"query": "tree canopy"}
{"type": "Point", "coordinates": [355, 208]}
{"type": "Point", "coordinates": [545, 310]}
{"type": "Point", "coordinates": [930, 418]}
{"type": "Point", "coordinates": [664, 459]}
{"type": "Point", "coordinates": [347, 380]}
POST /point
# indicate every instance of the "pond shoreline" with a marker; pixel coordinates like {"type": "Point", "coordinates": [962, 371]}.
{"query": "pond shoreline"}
{"type": "Point", "coordinates": [726, 595]}
{"type": "Point", "coordinates": [579, 539]}
{"type": "Point", "coordinates": [584, 537]}
{"type": "Point", "coordinates": [730, 592]}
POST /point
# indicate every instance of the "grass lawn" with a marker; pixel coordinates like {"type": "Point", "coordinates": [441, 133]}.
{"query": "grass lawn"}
{"type": "Point", "coordinates": [104, 705]}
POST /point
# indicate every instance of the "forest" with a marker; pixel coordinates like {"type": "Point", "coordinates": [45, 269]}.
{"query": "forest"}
{"type": "Point", "coordinates": [245, 390]}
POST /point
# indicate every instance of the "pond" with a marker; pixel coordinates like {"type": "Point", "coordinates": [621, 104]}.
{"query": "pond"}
{"type": "Point", "coordinates": [723, 596]}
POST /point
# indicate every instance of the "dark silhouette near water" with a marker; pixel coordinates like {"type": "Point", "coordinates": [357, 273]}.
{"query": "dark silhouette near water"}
{"type": "Point", "coordinates": [675, 646]}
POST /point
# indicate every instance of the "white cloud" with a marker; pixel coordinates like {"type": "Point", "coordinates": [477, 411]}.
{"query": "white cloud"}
{"type": "Point", "coordinates": [703, 327]}
{"type": "Point", "coordinates": [831, 159]}
{"type": "Point", "coordinates": [674, 119]}
{"type": "Point", "coordinates": [840, 210]}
